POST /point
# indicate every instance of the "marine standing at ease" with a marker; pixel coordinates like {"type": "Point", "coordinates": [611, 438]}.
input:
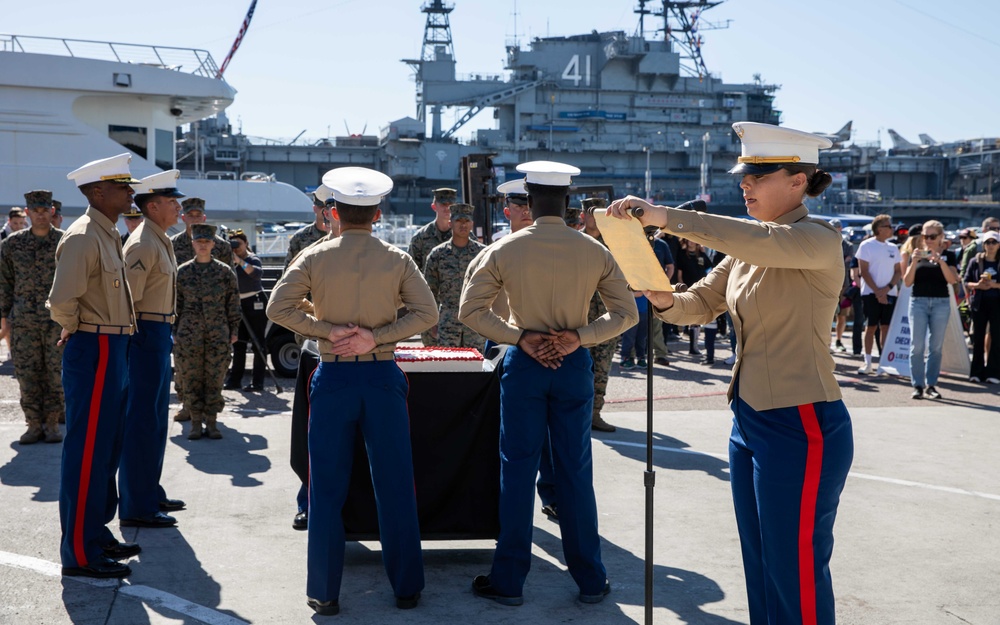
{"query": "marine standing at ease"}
{"type": "Point", "coordinates": [27, 268]}
{"type": "Point", "coordinates": [357, 283]}
{"type": "Point", "coordinates": [208, 318]}
{"type": "Point", "coordinates": [90, 299]}
{"type": "Point", "coordinates": [430, 236]}
{"type": "Point", "coordinates": [194, 213]}
{"type": "Point", "coordinates": [547, 382]}
{"type": "Point", "coordinates": [444, 271]}
{"type": "Point", "coordinates": [152, 279]}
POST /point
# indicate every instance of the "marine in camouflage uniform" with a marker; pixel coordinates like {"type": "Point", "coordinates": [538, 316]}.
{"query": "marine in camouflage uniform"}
{"type": "Point", "coordinates": [194, 213]}
{"type": "Point", "coordinates": [445, 273]}
{"type": "Point", "coordinates": [604, 353]}
{"type": "Point", "coordinates": [431, 236]}
{"type": "Point", "coordinates": [27, 268]}
{"type": "Point", "coordinates": [208, 316]}
{"type": "Point", "coordinates": [304, 237]}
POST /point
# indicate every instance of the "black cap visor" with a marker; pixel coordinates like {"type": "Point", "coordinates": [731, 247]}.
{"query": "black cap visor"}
{"type": "Point", "coordinates": [750, 169]}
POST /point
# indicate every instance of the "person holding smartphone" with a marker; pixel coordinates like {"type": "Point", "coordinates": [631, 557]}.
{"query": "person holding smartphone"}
{"type": "Point", "coordinates": [981, 282]}
{"type": "Point", "coordinates": [929, 274]}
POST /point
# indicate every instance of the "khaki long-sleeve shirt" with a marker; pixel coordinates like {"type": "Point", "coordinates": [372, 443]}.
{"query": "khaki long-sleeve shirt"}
{"type": "Point", "coordinates": [354, 278]}
{"type": "Point", "coordinates": [151, 270]}
{"type": "Point", "coordinates": [549, 273]}
{"type": "Point", "coordinates": [90, 285]}
{"type": "Point", "coordinates": [781, 283]}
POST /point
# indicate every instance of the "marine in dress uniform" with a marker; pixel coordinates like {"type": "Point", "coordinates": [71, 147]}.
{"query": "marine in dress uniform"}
{"type": "Point", "coordinates": [299, 447]}
{"type": "Point", "coordinates": [57, 216]}
{"type": "Point", "coordinates": [432, 235]}
{"type": "Point", "coordinates": [90, 299]}
{"type": "Point", "coordinates": [208, 318]}
{"type": "Point", "coordinates": [444, 272]}
{"type": "Point", "coordinates": [549, 273]}
{"type": "Point", "coordinates": [27, 266]}
{"type": "Point", "coordinates": [151, 271]}
{"type": "Point", "coordinates": [132, 218]}
{"type": "Point", "coordinates": [357, 284]}
{"type": "Point", "coordinates": [193, 212]}
{"type": "Point", "coordinates": [791, 445]}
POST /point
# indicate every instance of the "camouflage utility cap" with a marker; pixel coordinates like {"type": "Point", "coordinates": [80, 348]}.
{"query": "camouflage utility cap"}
{"type": "Point", "coordinates": [202, 231]}
{"type": "Point", "coordinates": [193, 204]}
{"type": "Point", "coordinates": [38, 199]}
{"type": "Point", "coordinates": [58, 206]}
{"type": "Point", "coordinates": [444, 195]}
{"type": "Point", "coordinates": [461, 211]}
{"type": "Point", "coordinates": [572, 216]}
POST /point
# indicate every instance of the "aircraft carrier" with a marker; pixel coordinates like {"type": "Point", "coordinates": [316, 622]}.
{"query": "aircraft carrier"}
{"type": "Point", "coordinates": [637, 112]}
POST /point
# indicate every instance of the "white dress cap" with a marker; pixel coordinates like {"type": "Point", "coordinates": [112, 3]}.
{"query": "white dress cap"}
{"type": "Point", "coordinates": [515, 187]}
{"type": "Point", "coordinates": [357, 185]}
{"type": "Point", "coordinates": [548, 173]}
{"type": "Point", "coordinates": [766, 147]}
{"type": "Point", "coordinates": [163, 183]}
{"type": "Point", "coordinates": [323, 193]}
{"type": "Point", "coordinates": [114, 169]}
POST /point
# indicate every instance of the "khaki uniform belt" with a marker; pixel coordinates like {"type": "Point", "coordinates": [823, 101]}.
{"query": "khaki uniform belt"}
{"type": "Point", "coordinates": [144, 316]}
{"type": "Point", "coordinates": [373, 357]}
{"type": "Point", "coordinates": [89, 327]}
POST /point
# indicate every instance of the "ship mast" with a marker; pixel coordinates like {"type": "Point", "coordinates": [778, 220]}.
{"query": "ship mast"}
{"type": "Point", "coordinates": [437, 46]}
{"type": "Point", "coordinates": [682, 23]}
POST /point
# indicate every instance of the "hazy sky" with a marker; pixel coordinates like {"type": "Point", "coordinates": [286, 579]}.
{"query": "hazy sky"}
{"type": "Point", "coordinates": [917, 66]}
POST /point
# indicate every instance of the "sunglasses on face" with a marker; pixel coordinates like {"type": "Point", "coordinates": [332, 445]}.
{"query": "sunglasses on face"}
{"type": "Point", "coordinates": [991, 242]}
{"type": "Point", "coordinates": [931, 237]}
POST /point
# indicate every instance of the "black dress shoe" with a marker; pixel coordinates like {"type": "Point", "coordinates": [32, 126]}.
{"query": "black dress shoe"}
{"type": "Point", "coordinates": [324, 608]}
{"type": "Point", "coordinates": [301, 521]}
{"type": "Point", "coordinates": [598, 597]}
{"type": "Point", "coordinates": [408, 603]}
{"type": "Point", "coordinates": [154, 520]}
{"type": "Point", "coordinates": [228, 386]}
{"type": "Point", "coordinates": [481, 587]}
{"type": "Point", "coordinates": [102, 568]}
{"type": "Point", "coordinates": [169, 505]}
{"type": "Point", "coordinates": [121, 551]}
{"type": "Point", "coordinates": [550, 511]}
{"type": "Point", "coordinates": [253, 388]}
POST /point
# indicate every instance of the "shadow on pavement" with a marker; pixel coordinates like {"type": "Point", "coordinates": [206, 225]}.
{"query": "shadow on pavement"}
{"type": "Point", "coordinates": [232, 455]}
{"type": "Point", "coordinates": [636, 450]}
{"type": "Point", "coordinates": [167, 564]}
{"type": "Point", "coordinates": [36, 466]}
{"type": "Point", "coordinates": [683, 592]}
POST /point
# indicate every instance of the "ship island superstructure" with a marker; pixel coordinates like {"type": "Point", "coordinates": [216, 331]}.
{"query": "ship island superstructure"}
{"type": "Point", "coordinates": [638, 112]}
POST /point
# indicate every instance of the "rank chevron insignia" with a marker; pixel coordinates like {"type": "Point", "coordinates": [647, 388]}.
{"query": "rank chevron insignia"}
{"type": "Point", "coordinates": [138, 265]}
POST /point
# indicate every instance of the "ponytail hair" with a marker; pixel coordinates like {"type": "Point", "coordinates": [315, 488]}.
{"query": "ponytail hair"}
{"type": "Point", "coordinates": [817, 180]}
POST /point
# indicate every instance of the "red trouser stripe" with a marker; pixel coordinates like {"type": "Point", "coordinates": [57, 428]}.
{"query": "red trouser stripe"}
{"type": "Point", "coordinates": [807, 513]}
{"type": "Point", "coordinates": [88, 450]}
{"type": "Point", "coordinates": [309, 467]}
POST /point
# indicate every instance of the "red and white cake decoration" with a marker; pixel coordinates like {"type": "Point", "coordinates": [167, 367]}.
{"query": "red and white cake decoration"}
{"type": "Point", "coordinates": [439, 359]}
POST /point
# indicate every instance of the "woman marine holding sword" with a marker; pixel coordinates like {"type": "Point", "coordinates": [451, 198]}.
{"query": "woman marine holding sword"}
{"type": "Point", "coordinates": [792, 444]}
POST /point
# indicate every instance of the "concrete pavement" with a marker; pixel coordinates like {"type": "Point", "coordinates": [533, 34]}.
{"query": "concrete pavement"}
{"type": "Point", "coordinates": [917, 534]}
